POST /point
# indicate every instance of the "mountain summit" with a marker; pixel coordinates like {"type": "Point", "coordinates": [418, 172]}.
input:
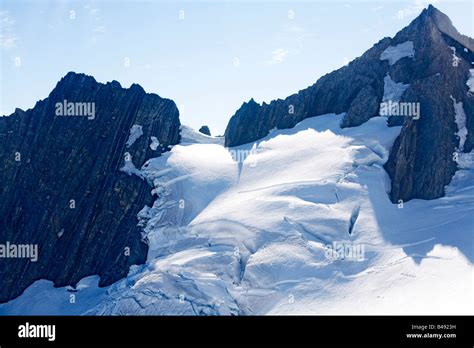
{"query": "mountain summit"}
{"type": "Point", "coordinates": [425, 67]}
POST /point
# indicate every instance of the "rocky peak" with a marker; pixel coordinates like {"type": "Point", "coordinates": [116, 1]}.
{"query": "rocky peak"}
{"type": "Point", "coordinates": [426, 63]}
{"type": "Point", "coordinates": [205, 130]}
{"type": "Point", "coordinates": [444, 24]}
{"type": "Point", "coordinates": [422, 161]}
{"type": "Point", "coordinates": [67, 180]}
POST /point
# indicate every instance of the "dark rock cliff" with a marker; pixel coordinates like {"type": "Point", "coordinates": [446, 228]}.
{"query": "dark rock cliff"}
{"type": "Point", "coordinates": [62, 187]}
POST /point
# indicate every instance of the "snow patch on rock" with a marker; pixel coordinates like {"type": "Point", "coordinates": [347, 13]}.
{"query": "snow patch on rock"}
{"type": "Point", "coordinates": [135, 132]}
{"type": "Point", "coordinates": [394, 53]}
{"type": "Point", "coordinates": [392, 90]}
{"type": "Point", "coordinates": [154, 143]}
{"type": "Point", "coordinates": [460, 119]}
{"type": "Point", "coordinates": [456, 59]}
{"type": "Point", "coordinates": [129, 167]}
{"type": "Point", "coordinates": [470, 81]}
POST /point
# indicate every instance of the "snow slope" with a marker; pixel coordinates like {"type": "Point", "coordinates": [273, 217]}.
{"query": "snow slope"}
{"type": "Point", "coordinates": [251, 236]}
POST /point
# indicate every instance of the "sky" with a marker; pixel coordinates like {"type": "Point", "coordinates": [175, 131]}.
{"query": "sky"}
{"type": "Point", "coordinates": [208, 56]}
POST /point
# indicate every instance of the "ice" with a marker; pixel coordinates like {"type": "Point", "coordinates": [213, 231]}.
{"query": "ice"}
{"type": "Point", "coordinates": [42, 298]}
{"type": "Point", "coordinates": [470, 81]}
{"type": "Point", "coordinates": [456, 59]}
{"type": "Point", "coordinates": [135, 132]}
{"type": "Point", "coordinates": [460, 119]}
{"type": "Point", "coordinates": [154, 143]}
{"type": "Point", "coordinates": [394, 53]}
{"type": "Point", "coordinates": [191, 136]}
{"type": "Point", "coordinates": [249, 235]}
{"type": "Point", "coordinates": [129, 167]}
{"type": "Point", "coordinates": [392, 90]}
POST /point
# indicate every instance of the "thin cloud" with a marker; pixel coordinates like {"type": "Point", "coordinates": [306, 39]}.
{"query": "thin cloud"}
{"type": "Point", "coordinates": [100, 29]}
{"type": "Point", "coordinates": [294, 29]}
{"type": "Point", "coordinates": [414, 8]}
{"type": "Point", "coordinates": [278, 56]}
{"type": "Point", "coordinates": [294, 36]}
{"type": "Point", "coordinates": [8, 38]}
{"type": "Point", "coordinates": [95, 11]}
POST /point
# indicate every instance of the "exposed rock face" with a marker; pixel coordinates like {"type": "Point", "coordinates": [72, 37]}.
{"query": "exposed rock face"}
{"type": "Point", "coordinates": [62, 186]}
{"type": "Point", "coordinates": [205, 130]}
{"type": "Point", "coordinates": [421, 161]}
{"type": "Point", "coordinates": [469, 110]}
{"type": "Point", "coordinates": [364, 106]}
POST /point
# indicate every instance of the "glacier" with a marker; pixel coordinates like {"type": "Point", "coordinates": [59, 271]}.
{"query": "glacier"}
{"type": "Point", "coordinates": [250, 237]}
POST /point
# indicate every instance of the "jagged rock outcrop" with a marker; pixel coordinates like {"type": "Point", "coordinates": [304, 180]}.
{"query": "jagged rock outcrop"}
{"type": "Point", "coordinates": [65, 186]}
{"type": "Point", "coordinates": [355, 88]}
{"type": "Point", "coordinates": [205, 130]}
{"type": "Point", "coordinates": [428, 63]}
{"type": "Point", "coordinates": [422, 160]}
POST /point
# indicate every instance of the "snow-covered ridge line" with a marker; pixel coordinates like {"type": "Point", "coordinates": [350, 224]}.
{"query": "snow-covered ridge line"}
{"type": "Point", "coordinates": [191, 136]}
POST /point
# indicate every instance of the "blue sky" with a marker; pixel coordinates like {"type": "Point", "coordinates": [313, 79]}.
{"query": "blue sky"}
{"type": "Point", "coordinates": [208, 56]}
